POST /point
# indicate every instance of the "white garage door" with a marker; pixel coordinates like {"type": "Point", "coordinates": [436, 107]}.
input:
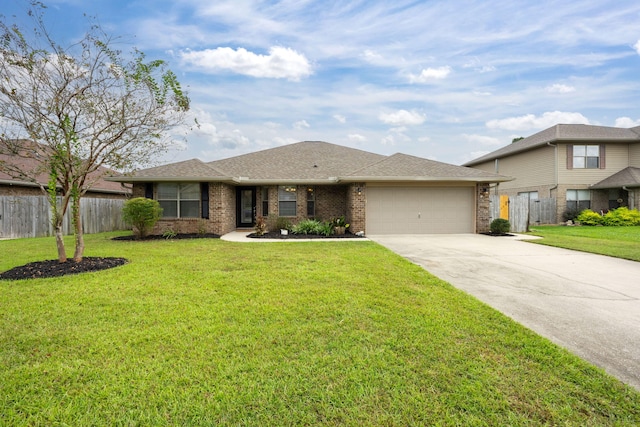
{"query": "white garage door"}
{"type": "Point", "coordinates": [420, 210]}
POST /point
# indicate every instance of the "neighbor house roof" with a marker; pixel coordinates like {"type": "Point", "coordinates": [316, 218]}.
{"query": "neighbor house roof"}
{"type": "Point", "coordinates": [628, 177]}
{"type": "Point", "coordinates": [563, 133]}
{"type": "Point", "coordinates": [312, 162]}
{"type": "Point", "coordinates": [27, 164]}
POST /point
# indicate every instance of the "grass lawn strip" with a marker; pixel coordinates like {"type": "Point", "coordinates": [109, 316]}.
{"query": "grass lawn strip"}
{"type": "Point", "coordinates": [619, 242]}
{"type": "Point", "coordinates": [212, 332]}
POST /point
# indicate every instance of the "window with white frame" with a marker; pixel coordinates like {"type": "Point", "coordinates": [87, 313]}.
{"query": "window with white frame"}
{"type": "Point", "coordinates": [287, 197]}
{"type": "Point", "coordinates": [179, 200]}
{"type": "Point", "coordinates": [578, 200]}
{"type": "Point", "coordinates": [586, 156]}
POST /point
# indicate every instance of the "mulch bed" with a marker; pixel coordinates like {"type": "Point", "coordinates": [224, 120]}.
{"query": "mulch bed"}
{"type": "Point", "coordinates": [176, 237]}
{"type": "Point", "coordinates": [291, 236]}
{"type": "Point", "coordinates": [53, 268]}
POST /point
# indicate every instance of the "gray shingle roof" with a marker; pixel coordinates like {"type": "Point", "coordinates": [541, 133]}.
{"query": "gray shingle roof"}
{"type": "Point", "coordinates": [404, 167]}
{"type": "Point", "coordinates": [628, 177]}
{"type": "Point", "coordinates": [308, 160]}
{"type": "Point", "coordinates": [188, 170]}
{"type": "Point", "coordinates": [563, 133]}
{"type": "Point", "coordinates": [312, 162]}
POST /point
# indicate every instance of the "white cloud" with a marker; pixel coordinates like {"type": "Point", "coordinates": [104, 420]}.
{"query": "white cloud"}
{"type": "Point", "coordinates": [388, 140]}
{"type": "Point", "coordinates": [626, 122]}
{"type": "Point", "coordinates": [430, 74]}
{"type": "Point", "coordinates": [301, 124]}
{"type": "Point", "coordinates": [372, 56]}
{"type": "Point", "coordinates": [356, 137]}
{"type": "Point", "coordinates": [637, 47]}
{"type": "Point", "coordinates": [341, 119]}
{"type": "Point", "coordinates": [281, 62]}
{"type": "Point", "coordinates": [559, 88]}
{"type": "Point", "coordinates": [399, 129]}
{"type": "Point", "coordinates": [402, 118]}
{"type": "Point", "coordinates": [482, 140]}
{"type": "Point", "coordinates": [531, 121]}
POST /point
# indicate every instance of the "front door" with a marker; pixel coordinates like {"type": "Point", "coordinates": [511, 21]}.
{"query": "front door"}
{"type": "Point", "coordinates": [245, 206]}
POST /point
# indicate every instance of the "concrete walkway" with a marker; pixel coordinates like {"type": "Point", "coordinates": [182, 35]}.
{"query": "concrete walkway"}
{"type": "Point", "coordinates": [589, 304]}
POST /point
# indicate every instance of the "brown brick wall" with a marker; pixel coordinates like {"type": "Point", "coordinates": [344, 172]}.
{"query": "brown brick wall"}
{"type": "Point", "coordinates": [222, 207]}
{"type": "Point", "coordinates": [222, 213]}
{"type": "Point", "coordinates": [356, 207]}
{"type": "Point", "coordinates": [331, 201]}
{"type": "Point", "coordinates": [483, 212]}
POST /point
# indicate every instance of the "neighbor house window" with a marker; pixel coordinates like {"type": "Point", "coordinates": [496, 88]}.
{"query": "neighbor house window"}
{"type": "Point", "coordinates": [586, 156]}
{"type": "Point", "coordinates": [287, 197]}
{"type": "Point", "coordinates": [179, 200]}
{"type": "Point", "coordinates": [578, 200]}
{"type": "Point", "coordinates": [265, 201]}
{"type": "Point", "coordinates": [311, 202]}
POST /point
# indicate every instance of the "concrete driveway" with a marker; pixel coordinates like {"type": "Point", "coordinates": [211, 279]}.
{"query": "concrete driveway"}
{"type": "Point", "coordinates": [589, 304]}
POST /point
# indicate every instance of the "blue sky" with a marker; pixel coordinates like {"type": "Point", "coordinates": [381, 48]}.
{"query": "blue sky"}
{"type": "Point", "coordinates": [445, 80]}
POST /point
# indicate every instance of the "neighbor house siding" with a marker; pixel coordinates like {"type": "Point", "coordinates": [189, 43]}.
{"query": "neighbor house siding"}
{"type": "Point", "coordinates": [535, 168]}
{"type": "Point", "coordinates": [616, 159]}
{"type": "Point", "coordinates": [634, 155]}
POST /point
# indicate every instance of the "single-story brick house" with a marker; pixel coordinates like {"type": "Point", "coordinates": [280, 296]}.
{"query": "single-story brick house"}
{"type": "Point", "coordinates": [377, 194]}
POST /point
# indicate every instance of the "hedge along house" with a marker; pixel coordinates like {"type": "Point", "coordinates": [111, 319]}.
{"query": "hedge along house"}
{"type": "Point", "coordinates": [377, 194]}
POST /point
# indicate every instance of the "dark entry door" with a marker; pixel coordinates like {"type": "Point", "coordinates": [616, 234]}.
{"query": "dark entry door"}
{"type": "Point", "coordinates": [245, 206]}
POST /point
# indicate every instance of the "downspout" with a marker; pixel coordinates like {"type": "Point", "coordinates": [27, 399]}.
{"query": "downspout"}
{"type": "Point", "coordinates": [555, 169]}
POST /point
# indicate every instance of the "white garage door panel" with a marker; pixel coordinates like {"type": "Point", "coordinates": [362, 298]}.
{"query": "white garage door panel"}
{"type": "Point", "coordinates": [420, 210]}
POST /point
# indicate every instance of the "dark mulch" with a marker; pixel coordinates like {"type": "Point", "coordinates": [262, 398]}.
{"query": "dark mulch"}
{"type": "Point", "coordinates": [497, 234]}
{"type": "Point", "coordinates": [53, 268]}
{"type": "Point", "coordinates": [176, 237]}
{"type": "Point", "coordinates": [291, 236]}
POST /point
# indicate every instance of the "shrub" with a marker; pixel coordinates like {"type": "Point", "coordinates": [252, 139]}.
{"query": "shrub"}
{"type": "Point", "coordinates": [622, 217]}
{"type": "Point", "coordinates": [500, 226]}
{"type": "Point", "coordinates": [142, 214]}
{"type": "Point", "coordinates": [326, 228]}
{"type": "Point", "coordinates": [307, 226]}
{"type": "Point", "coordinates": [275, 223]}
{"type": "Point", "coordinates": [570, 215]}
{"type": "Point", "coordinates": [589, 217]}
{"type": "Point", "coordinates": [261, 226]}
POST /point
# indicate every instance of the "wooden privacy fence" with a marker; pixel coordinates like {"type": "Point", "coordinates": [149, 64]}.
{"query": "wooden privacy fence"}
{"type": "Point", "coordinates": [523, 212]}
{"type": "Point", "coordinates": [30, 216]}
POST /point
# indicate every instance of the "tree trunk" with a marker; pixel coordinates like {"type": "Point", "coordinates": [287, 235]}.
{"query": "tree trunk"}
{"type": "Point", "coordinates": [77, 224]}
{"type": "Point", "coordinates": [62, 254]}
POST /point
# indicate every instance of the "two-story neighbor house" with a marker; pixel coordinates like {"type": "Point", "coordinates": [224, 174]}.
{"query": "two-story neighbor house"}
{"type": "Point", "coordinates": [581, 166]}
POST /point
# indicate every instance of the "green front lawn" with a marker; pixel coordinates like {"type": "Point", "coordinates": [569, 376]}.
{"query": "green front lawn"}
{"type": "Point", "coordinates": [207, 332]}
{"type": "Point", "coordinates": [620, 242]}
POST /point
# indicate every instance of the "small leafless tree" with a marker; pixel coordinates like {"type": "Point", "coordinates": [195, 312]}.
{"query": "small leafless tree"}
{"type": "Point", "coordinates": [75, 111]}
